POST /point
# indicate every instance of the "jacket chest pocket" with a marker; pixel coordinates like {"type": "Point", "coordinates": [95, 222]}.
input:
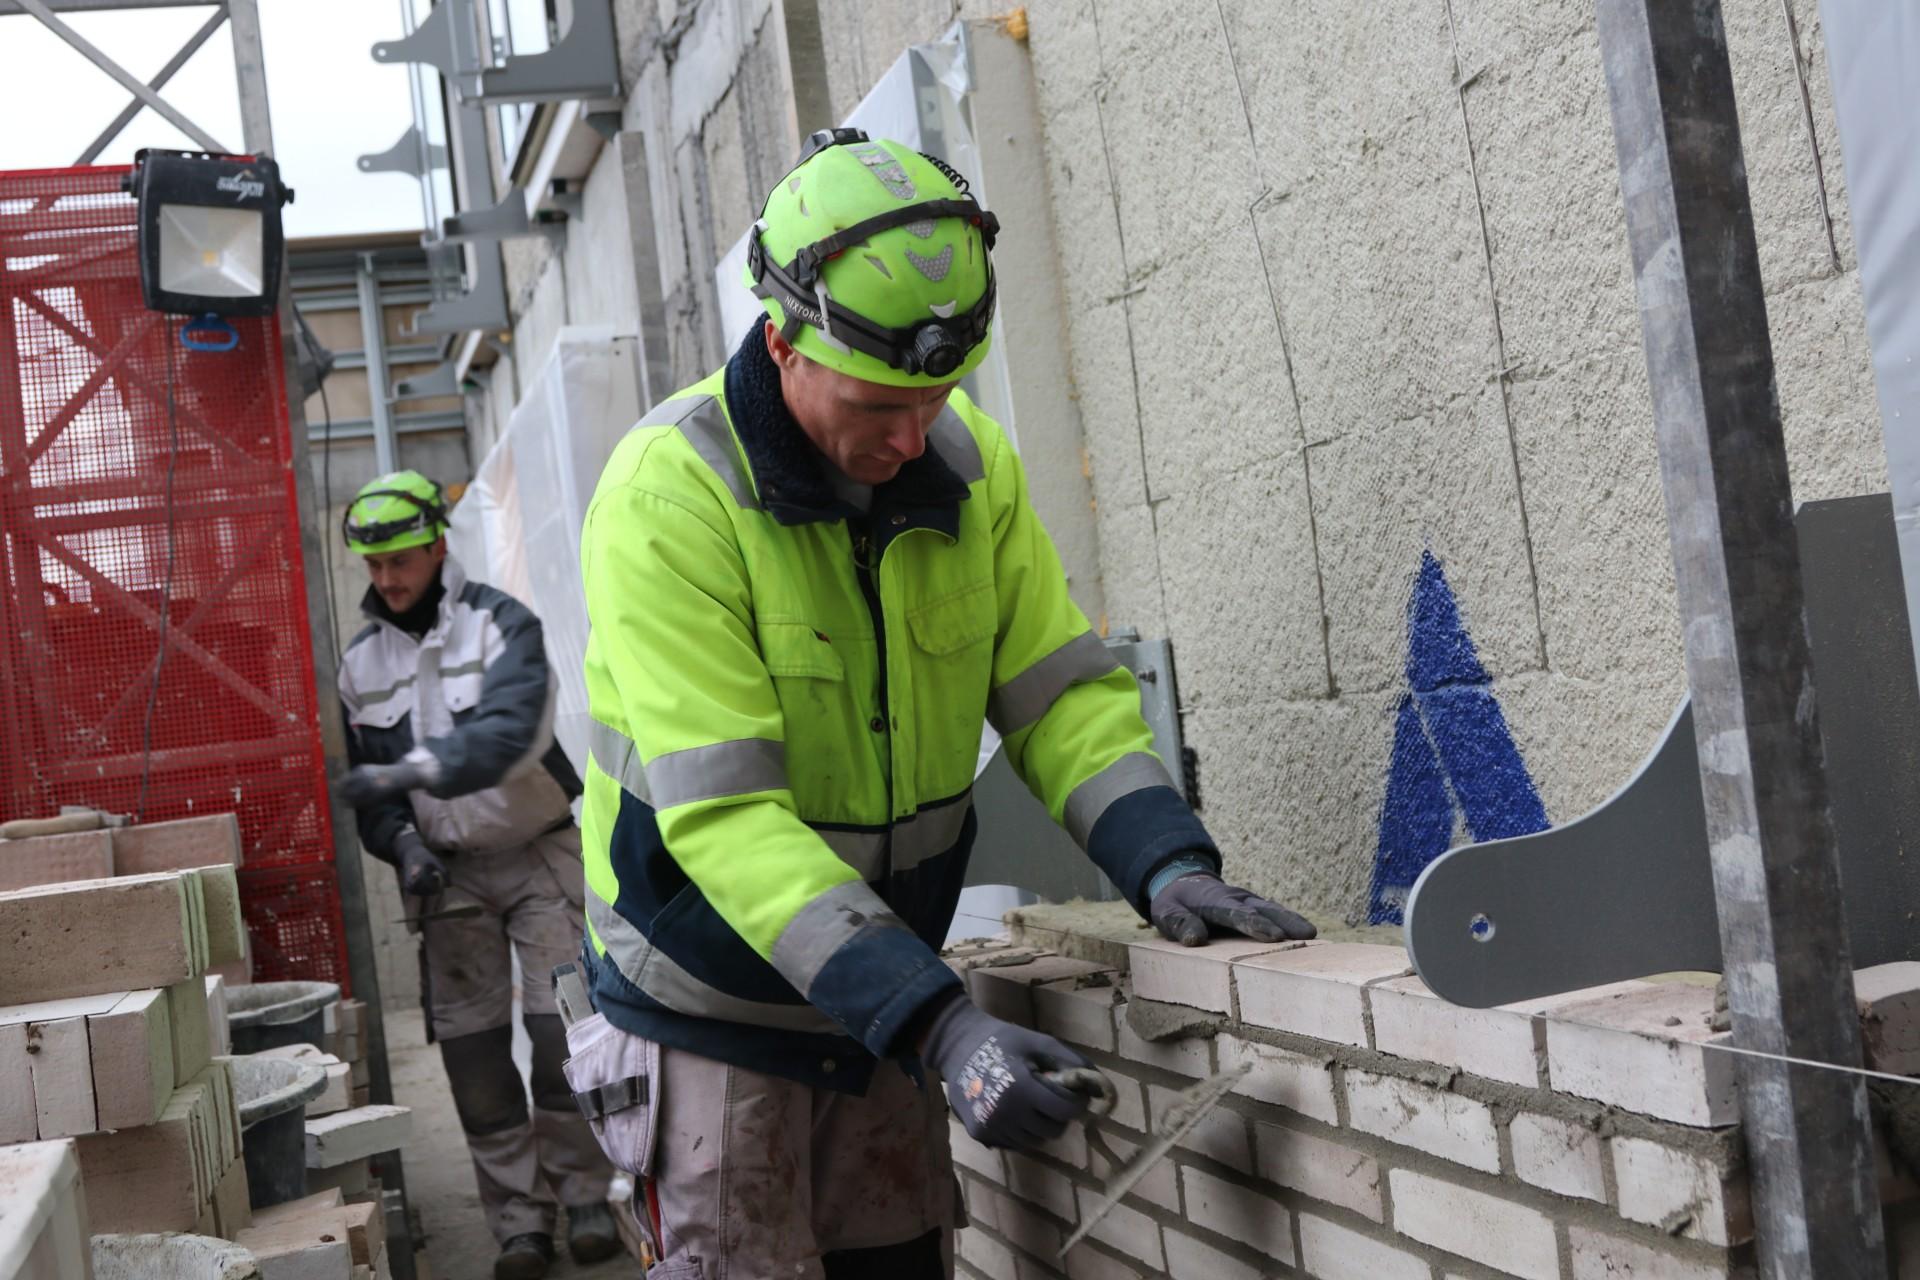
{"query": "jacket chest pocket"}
{"type": "Point", "coordinates": [810, 680]}
{"type": "Point", "coordinates": [953, 667]}
{"type": "Point", "coordinates": [955, 623]}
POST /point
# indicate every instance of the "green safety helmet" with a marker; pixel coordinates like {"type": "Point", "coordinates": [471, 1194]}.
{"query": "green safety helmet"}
{"type": "Point", "coordinates": [393, 512]}
{"type": "Point", "coordinates": [872, 259]}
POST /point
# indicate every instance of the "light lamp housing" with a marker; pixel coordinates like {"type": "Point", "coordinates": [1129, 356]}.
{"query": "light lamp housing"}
{"type": "Point", "coordinates": [210, 238]}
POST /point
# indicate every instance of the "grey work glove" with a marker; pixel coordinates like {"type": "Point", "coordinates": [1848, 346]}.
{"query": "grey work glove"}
{"type": "Point", "coordinates": [1189, 909]}
{"type": "Point", "coordinates": [369, 783]}
{"type": "Point", "coordinates": [421, 872]}
{"type": "Point", "coordinates": [992, 1071]}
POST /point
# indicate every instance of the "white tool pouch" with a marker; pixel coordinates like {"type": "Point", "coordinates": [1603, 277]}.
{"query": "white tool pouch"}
{"type": "Point", "coordinates": [615, 1078]}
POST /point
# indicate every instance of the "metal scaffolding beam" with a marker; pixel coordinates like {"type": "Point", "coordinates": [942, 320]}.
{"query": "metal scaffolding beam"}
{"type": "Point", "coordinates": [373, 339]}
{"type": "Point", "coordinates": [128, 81]}
{"type": "Point", "coordinates": [1723, 465]}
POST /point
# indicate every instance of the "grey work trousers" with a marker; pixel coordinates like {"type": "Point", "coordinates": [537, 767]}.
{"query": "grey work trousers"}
{"type": "Point", "coordinates": [531, 901]}
{"type": "Point", "coordinates": [754, 1177]}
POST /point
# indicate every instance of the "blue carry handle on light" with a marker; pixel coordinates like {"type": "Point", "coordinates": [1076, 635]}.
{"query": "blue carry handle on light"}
{"type": "Point", "coordinates": [219, 335]}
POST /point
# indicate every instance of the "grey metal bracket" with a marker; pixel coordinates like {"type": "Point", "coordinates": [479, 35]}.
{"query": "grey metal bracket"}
{"type": "Point", "coordinates": [583, 63]}
{"type": "Point", "coordinates": [411, 155]}
{"type": "Point", "coordinates": [441, 380]}
{"type": "Point", "coordinates": [1018, 842]}
{"type": "Point", "coordinates": [502, 220]}
{"type": "Point", "coordinates": [566, 198]}
{"type": "Point", "coordinates": [1627, 889]}
{"type": "Point", "coordinates": [483, 304]}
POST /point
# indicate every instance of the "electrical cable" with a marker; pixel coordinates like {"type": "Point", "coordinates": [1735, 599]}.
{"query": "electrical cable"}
{"type": "Point", "coordinates": [166, 592]}
{"type": "Point", "coordinates": [326, 511]}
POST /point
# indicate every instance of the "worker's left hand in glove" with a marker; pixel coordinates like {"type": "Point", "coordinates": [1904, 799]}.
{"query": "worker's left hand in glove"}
{"type": "Point", "coordinates": [421, 872]}
{"type": "Point", "coordinates": [371, 783]}
{"type": "Point", "coordinates": [993, 1074]}
{"type": "Point", "coordinates": [1193, 906]}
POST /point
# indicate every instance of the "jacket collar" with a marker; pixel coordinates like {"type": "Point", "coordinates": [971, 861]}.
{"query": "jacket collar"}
{"type": "Point", "coordinates": [789, 473]}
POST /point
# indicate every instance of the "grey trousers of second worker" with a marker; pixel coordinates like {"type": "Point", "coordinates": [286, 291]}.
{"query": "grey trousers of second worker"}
{"type": "Point", "coordinates": [531, 901]}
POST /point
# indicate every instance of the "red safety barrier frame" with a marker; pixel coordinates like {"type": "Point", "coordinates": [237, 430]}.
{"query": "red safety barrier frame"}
{"type": "Point", "coordinates": [155, 651]}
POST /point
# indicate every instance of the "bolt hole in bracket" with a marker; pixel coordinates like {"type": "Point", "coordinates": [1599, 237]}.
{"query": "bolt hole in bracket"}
{"type": "Point", "coordinates": [1480, 929]}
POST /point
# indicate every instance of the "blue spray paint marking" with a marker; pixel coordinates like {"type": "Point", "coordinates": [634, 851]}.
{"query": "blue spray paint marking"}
{"type": "Point", "coordinates": [1453, 759]}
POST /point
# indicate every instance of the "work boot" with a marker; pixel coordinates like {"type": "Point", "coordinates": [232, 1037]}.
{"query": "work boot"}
{"type": "Point", "coordinates": [524, 1257]}
{"type": "Point", "coordinates": [591, 1236]}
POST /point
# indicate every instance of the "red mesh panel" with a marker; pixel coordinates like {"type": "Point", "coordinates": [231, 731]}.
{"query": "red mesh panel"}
{"type": "Point", "coordinates": [138, 478]}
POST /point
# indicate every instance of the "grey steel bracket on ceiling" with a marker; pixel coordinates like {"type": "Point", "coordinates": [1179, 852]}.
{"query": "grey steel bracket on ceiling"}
{"type": "Point", "coordinates": [441, 380]}
{"type": "Point", "coordinates": [482, 305]}
{"type": "Point", "coordinates": [502, 220]}
{"type": "Point", "coordinates": [1018, 843]}
{"type": "Point", "coordinates": [604, 123]}
{"type": "Point", "coordinates": [567, 198]}
{"type": "Point", "coordinates": [412, 155]}
{"type": "Point", "coordinates": [583, 63]}
{"type": "Point", "coordinates": [1627, 889]}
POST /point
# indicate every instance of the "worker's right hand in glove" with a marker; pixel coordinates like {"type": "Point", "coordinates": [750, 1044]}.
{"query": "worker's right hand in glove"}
{"type": "Point", "coordinates": [421, 873]}
{"type": "Point", "coordinates": [992, 1072]}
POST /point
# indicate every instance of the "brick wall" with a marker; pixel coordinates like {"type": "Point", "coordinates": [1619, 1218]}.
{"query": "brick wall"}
{"type": "Point", "coordinates": [1379, 1133]}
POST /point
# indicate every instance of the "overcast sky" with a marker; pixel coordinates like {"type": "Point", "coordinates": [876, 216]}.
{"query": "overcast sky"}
{"type": "Point", "coordinates": [330, 101]}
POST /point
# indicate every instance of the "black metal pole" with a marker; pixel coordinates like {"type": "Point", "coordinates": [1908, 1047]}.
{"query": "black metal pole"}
{"type": "Point", "coordinates": [1723, 464]}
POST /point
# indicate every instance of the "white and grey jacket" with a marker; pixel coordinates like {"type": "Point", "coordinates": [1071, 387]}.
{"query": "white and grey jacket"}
{"type": "Point", "coordinates": [472, 701]}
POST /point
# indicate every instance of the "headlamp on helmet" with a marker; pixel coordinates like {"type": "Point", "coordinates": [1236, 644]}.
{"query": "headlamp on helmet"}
{"type": "Point", "coordinates": [393, 513]}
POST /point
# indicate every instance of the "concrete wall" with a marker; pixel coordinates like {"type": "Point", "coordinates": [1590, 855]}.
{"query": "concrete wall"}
{"type": "Point", "coordinates": [1349, 285]}
{"type": "Point", "coordinates": [1350, 312]}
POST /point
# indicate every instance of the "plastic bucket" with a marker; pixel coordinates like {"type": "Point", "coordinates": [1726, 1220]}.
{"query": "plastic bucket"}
{"type": "Point", "coordinates": [273, 1094]}
{"type": "Point", "coordinates": [266, 1015]}
{"type": "Point", "coordinates": [170, 1257]}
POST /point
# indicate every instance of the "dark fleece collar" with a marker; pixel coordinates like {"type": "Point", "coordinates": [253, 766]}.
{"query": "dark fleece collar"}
{"type": "Point", "coordinates": [416, 621]}
{"type": "Point", "coordinates": [790, 474]}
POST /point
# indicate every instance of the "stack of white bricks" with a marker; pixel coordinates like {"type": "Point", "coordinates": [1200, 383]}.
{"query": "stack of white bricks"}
{"type": "Point", "coordinates": [111, 1027]}
{"type": "Point", "coordinates": [1380, 1133]}
{"type": "Point", "coordinates": [346, 1041]}
{"type": "Point", "coordinates": [180, 845]}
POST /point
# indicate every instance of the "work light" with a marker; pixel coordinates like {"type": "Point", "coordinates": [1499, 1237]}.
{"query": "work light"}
{"type": "Point", "coordinates": [210, 239]}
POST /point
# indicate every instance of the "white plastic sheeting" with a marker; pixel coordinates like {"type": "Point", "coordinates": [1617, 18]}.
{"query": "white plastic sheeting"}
{"type": "Point", "coordinates": [518, 527]}
{"type": "Point", "coordinates": [1873, 56]}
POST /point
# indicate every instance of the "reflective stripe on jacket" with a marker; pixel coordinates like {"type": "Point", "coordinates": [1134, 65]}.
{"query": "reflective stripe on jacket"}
{"type": "Point", "coordinates": [475, 694]}
{"type": "Point", "coordinates": [788, 697]}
